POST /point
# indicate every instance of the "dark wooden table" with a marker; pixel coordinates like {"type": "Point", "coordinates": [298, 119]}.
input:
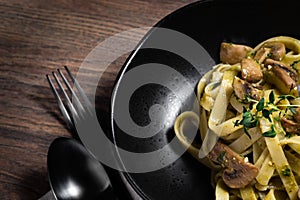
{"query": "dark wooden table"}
{"type": "Point", "coordinates": [36, 37]}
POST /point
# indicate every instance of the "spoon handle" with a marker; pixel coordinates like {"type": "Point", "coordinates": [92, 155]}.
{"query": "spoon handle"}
{"type": "Point", "coordinates": [107, 195]}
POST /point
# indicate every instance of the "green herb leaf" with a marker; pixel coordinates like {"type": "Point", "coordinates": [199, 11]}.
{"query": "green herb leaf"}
{"type": "Point", "coordinates": [276, 118]}
{"type": "Point", "coordinates": [288, 135]}
{"type": "Point", "coordinates": [273, 107]}
{"type": "Point", "coordinates": [247, 132]}
{"type": "Point", "coordinates": [246, 120]}
{"type": "Point", "coordinates": [293, 110]}
{"type": "Point", "coordinates": [283, 97]}
{"type": "Point", "coordinates": [253, 53]}
{"type": "Point", "coordinates": [246, 98]}
{"type": "Point", "coordinates": [270, 133]}
{"type": "Point", "coordinates": [251, 105]}
{"type": "Point", "coordinates": [220, 158]}
{"type": "Point", "coordinates": [266, 114]}
{"type": "Point", "coordinates": [294, 63]}
{"type": "Point", "coordinates": [286, 171]}
{"type": "Point", "coordinates": [260, 104]}
{"type": "Point", "coordinates": [249, 121]}
{"type": "Point", "coordinates": [269, 55]}
{"type": "Point", "coordinates": [236, 123]}
{"type": "Point", "coordinates": [271, 97]}
{"type": "Point", "coordinates": [253, 123]}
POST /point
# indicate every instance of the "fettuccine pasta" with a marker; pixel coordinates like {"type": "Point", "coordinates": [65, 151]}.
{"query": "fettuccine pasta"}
{"type": "Point", "coordinates": [249, 121]}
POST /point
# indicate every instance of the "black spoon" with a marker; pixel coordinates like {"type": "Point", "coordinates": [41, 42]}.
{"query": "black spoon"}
{"type": "Point", "coordinates": [75, 174]}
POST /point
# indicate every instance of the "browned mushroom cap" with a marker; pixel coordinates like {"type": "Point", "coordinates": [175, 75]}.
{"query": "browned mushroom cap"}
{"type": "Point", "coordinates": [233, 53]}
{"type": "Point", "coordinates": [282, 76]}
{"type": "Point", "coordinates": [251, 71]}
{"type": "Point", "coordinates": [299, 193]}
{"type": "Point", "coordinates": [242, 89]}
{"type": "Point", "coordinates": [277, 50]}
{"type": "Point", "coordinates": [237, 172]}
{"type": "Point", "coordinates": [262, 54]}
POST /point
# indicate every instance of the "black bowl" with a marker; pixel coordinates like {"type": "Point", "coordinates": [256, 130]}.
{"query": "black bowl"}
{"type": "Point", "coordinates": [208, 23]}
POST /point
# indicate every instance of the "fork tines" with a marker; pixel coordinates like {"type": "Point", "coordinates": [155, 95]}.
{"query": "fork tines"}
{"type": "Point", "coordinates": [74, 109]}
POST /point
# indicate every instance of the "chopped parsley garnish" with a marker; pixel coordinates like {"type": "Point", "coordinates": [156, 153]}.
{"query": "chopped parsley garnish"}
{"type": "Point", "coordinates": [286, 171]}
{"type": "Point", "coordinates": [266, 113]}
{"type": "Point", "coordinates": [220, 159]}
{"type": "Point", "coordinates": [270, 133]}
{"type": "Point", "coordinates": [288, 135]}
{"type": "Point", "coordinates": [253, 54]}
{"type": "Point", "coordinates": [248, 121]}
{"type": "Point", "coordinates": [292, 109]}
{"type": "Point", "coordinates": [250, 118]}
{"type": "Point", "coordinates": [260, 105]}
{"type": "Point", "coordinates": [287, 96]}
{"type": "Point", "coordinates": [272, 97]}
{"type": "Point", "coordinates": [269, 55]}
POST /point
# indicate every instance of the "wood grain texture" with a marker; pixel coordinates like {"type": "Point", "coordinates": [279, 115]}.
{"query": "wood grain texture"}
{"type": "Point", "coordinates": [36, 37]}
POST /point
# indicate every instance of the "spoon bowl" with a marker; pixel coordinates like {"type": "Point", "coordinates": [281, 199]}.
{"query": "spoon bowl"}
{"type": "Point", "coordinates": [74, 173]}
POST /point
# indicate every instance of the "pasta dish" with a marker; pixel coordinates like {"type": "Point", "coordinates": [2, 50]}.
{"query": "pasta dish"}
{"type": "Point", "coordinates": [249, 121]}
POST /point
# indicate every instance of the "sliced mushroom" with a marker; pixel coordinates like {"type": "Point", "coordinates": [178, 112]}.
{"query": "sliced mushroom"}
{"type": "Point", "coordinates": [283, 77]}
{"type": "Point", "coordinates": [289, 125]}
{"type": "Point", "coordinates": [262, 54]}
{"type": "Point", "coordinates": [242, 89]}
{"type": "Point", "coordinates": [291, 72]}
{"type": "Point", "coordinates": [292, 126]}
{"type": "Point", "coordinates": [251, 71]}
{"type": "Point", "coordinates": [277, 50]}
{"type": "Point", "coordinates": [237, 172]}
{"type": "Point", "coordinates": [233, 53]}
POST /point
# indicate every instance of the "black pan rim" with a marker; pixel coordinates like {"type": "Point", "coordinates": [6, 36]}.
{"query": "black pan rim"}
{"type": "Point", "coordinates": [123, 69]}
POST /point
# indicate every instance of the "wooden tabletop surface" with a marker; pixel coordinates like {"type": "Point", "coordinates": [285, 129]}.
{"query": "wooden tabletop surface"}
{"type": "Point", "coordinates": [36, 38]}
